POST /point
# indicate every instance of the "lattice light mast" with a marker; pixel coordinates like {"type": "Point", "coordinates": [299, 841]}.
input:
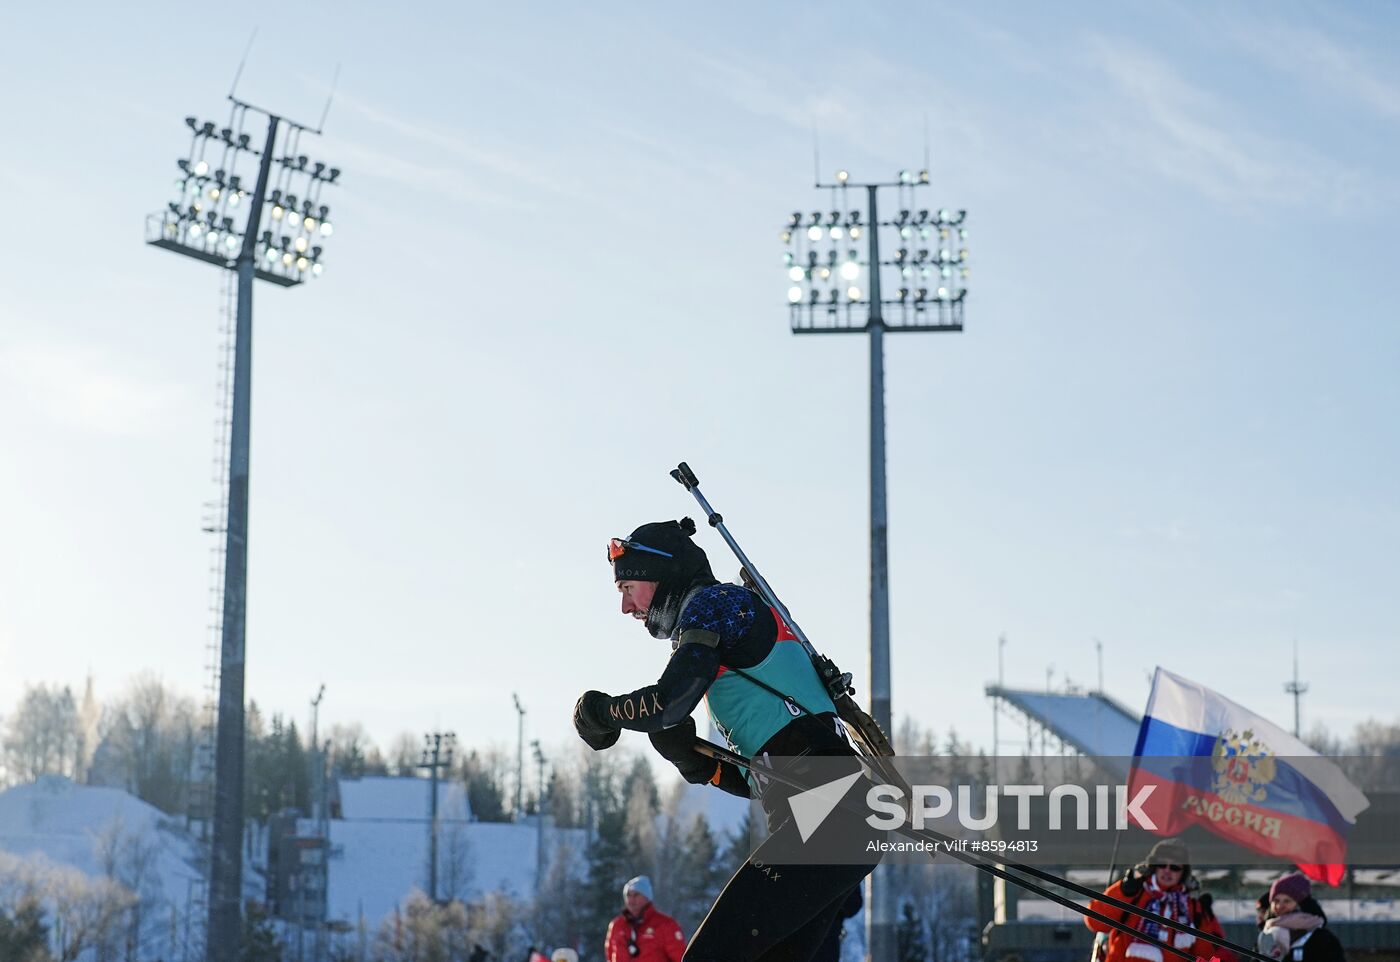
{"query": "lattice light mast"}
{"type": "Point", "coordinates": [838, 287]}
{"type": "Point", "coordinates": [437, 757]}
{"type": "Point", "coordinates": [215, 218]}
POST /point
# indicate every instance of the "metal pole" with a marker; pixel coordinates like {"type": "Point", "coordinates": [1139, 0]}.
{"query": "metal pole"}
{"type": "Point", "coordinates": [879, 524]}
{"type": "Point", "coordinates": [318, 808]}
{"type": "Point", "coordinates": [1296, 688]}
{"type": "Point", "coordinates": [316, 769]}
{"type": "Point", "coordinates": [325, 867]}
{"type": "Point", "coordinates": [226, 864]}
{"type": "Point", "coordinates": [433, 827]}
{"type": "Point", "coordinates": [539, 820]}
{"type": "Point", "coordinates": [996, 712]}
{"type": "Point", "coordinates": [519, 757]}
{"type": "Point", "coordinates": [879, 930]}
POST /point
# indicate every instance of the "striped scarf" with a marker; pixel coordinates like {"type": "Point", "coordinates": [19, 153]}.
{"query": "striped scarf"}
{"type": "Point", "coordinates": [1175, 905]}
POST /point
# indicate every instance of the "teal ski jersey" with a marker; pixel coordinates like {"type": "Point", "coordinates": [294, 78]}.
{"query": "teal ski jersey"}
{"type": "Point", "coordinates": [749, 715]}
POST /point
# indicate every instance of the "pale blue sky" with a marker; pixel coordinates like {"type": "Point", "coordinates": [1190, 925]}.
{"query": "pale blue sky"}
{"type": "Point", "coordinates": [1170, 425]}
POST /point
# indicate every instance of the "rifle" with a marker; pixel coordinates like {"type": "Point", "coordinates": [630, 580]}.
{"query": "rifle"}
{"type": "Point", "coordinates": [870, 740]}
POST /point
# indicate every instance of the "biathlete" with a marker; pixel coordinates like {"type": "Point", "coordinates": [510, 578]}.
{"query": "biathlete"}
{"type": "Point", "coordinates": [766, 698]}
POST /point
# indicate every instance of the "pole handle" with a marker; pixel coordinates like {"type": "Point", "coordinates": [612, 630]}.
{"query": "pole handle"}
{"type": "Point", "coordinates": [685, 476]}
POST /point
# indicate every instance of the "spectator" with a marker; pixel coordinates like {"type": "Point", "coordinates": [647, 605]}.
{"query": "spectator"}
{"type": "Point", "coordinates": [1295, 929]}
{"type": "Point", "coordinates": [641, 933]}
{"type": "Point", "coordinates": [1261, 910]}
{"type": "Point", "coordinates": [1165, 886]}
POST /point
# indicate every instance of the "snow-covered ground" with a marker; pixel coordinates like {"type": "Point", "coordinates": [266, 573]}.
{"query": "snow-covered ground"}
{"type": "Point", "coordinates": [99, 831]}
{"type": "Point", "coordinates": [379, 850]}
{"type": "Point", "coordinates": [53, 831]}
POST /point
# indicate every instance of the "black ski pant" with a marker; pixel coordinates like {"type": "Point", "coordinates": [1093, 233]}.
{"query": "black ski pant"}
{"type": "Point", "coordinates": [783, 913]}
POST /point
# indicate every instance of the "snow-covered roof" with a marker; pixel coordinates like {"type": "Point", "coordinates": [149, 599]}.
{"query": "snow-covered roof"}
{"type": "Point", "coordinates": [388, 798]}
{"type": "Point", "coordinates": [1093, 723]}
{"type": "Point", "coordinates": [374, 865]}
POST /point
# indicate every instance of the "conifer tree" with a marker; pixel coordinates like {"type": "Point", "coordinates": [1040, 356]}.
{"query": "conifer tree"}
{"type": "Point", "coordinates": [24, 937]}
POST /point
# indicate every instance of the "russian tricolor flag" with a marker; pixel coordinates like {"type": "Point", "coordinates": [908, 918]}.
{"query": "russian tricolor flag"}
{"type": "Point", "coordinates": [1216, 764]}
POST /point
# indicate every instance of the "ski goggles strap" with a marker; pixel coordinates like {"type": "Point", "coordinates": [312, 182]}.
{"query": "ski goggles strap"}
{"type": "Point", "coordinates": [617, 547]}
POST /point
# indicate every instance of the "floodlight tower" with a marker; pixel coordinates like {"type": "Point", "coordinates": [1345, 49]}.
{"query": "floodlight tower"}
{"type": "Point", "coordinates": [539, 816]}
{"type": "Point", "coordinates": [1297, 688]}
{"type": "Point", "coordinates": [519, 758]}
{"type": "Point", "coordinates": [437, 756]}
{"type": "Point", "coordinates": [216, 219]}
{"type": "Point", "coordinates": [837, 289]}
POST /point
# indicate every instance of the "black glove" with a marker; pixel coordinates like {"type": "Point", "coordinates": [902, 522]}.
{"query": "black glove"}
{"type": "Point", "coordinates": [1134, 879]}
{"type": "Point", "coordinates": [1207, 902]}
{"type": "Point", "coordinates": [592, 723]}
{"type": "Point", "coordinates": [677, 746]}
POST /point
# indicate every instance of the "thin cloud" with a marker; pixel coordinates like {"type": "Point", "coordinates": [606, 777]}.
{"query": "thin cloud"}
{"type": "Point", "coordinates": [1317, 60]}
{"type": "Point", "coordinates": [765, 96]}
{"type": "Point", "coordinates": [842, 117]}
{"type": "Point", "coordinates": [443, 182]}
{"type": "Point", "coordinates": [1183, 133]}
{"type": "Point", "coordinates": [482, 165]}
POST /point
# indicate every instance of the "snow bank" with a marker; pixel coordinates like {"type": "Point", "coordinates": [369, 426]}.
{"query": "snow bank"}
{"type": "Point", "coordinates": [92, 829]}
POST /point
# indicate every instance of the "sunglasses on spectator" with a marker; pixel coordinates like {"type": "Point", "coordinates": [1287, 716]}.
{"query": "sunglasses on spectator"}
{"type": "Point", "coordinates": [1174, 868]}
{"type": "Point", "coordinates": [617, 547]}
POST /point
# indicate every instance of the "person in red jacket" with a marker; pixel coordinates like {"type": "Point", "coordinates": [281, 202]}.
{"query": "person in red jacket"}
{"type": "Point", "coordinates": [641, 933]}
{"type": "Point", "coordinates": [1164, 885]}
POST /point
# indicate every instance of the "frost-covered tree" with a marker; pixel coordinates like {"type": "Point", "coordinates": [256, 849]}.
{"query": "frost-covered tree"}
{"type": "Point", "coordinates": [405, 753]}
{"type": "Point", "coordinates": [454, 868]}
{"type": "Point", "coordinates": [128, 859]}
{"type": "Point", "coordinates": [85, 915]}
{"type": "Point", "coordinates": [148, 744]}
{"type": "Point", "coordinates": [353, 753]}
{"type": "Point", "coordinates": [559, 916]}
{"type": "Point", "coordinates": [42, 735]}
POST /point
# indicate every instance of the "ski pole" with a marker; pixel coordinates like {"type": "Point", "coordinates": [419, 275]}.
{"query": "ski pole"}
{"type": "Point", "coordinates": [873, 742]}
{"type": "Point", "coordinates": [986, 864]}
{"type": "Point", "coordinates": [687, 478]}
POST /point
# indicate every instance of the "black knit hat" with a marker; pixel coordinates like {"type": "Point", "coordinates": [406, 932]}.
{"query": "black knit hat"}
{"type": "Point", "coordinates": [682, 559]}
{"type": "Point", "coordinates": [682, 567]}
